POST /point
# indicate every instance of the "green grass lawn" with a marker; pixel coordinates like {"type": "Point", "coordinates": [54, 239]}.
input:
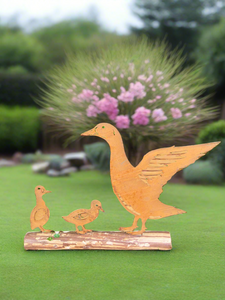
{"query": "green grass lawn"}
{"type": "Point", "coordinates": [193, 269]}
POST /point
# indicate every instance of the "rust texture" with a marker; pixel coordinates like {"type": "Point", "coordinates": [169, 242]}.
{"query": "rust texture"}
{"type": "Point", "coordinates": [97, 240]}
{"type": "Point", "coordinates": [81, 217]}
{"type": "Point", "coordinates": [40, 214]}
{"type": "Point", "coordinates": [138, 188]}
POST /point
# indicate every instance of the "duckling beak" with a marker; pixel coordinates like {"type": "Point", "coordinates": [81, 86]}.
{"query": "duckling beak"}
{"type": "Point", "coordinates": [101, 209]}
{"type": "Point", "coordinates": [46, 192]}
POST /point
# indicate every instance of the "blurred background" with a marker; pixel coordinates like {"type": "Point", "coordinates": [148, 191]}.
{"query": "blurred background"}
{"type": "Point", "coordinates": [37, 36]}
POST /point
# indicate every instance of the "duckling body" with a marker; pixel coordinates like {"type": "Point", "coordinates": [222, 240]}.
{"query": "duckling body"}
{"type": "Point", "coordinates": [138, 188]}
{"type": "Point", "coordinates": [40, 214]}
{"type": "Point", "coordinates": [81, 217]}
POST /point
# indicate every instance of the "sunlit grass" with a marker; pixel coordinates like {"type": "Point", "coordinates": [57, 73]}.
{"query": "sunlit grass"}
{"type": "Point", "coordinates": [194, 269]}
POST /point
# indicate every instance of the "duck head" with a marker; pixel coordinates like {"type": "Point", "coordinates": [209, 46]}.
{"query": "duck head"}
{"type": "Point", "coordinates": [96, 204]}
{"type": "Point", "coordinates": [40, 190]}
{"type": "Point", "coordinates": [103, 130]}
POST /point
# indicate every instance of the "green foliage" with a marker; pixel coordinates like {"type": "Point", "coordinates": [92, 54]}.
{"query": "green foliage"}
{"type": "Point", "coordinates": [99, 155]}
{"type": "Point", "coordinates": [212, 133]}
{"type": "Point", "coordinates": [39, 157]}
{"type": "Point", "coordinates": [130, 58]}
{"type": "Point", "coordinates": [178, 21]}
{"type": "Point", "coordinates": [20, 89]}
{"type": "Point", "coordinates": [19, 129]}
{"type": "Point", "coordinates": [203, 172]}
{"type": "Point", "coordinates": [18, 48]}
{"type": "Point", "coordinates": [211, 52]}
{"type": "Point", "coordinates": [70, 36]}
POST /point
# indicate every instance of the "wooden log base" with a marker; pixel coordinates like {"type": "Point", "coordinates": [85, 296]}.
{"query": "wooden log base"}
{"type": "Point", "coordinates": [97, 240]}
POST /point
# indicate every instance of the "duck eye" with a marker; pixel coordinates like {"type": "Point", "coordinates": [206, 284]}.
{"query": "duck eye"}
{"type": "Point", "coordinates": [103, 126]}
{"type": "Point", "coordinates": [96, 204]}
{"type": "Point", "coordinates": [39, 188]}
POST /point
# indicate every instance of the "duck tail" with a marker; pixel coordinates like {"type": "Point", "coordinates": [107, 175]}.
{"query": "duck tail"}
{"type": "Point", "coordinates": [66, 219]}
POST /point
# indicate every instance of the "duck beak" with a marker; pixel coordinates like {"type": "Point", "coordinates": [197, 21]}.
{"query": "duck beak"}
{"type": "Point", "coordinates": [101, 209]}
{"type": "Point", "coordinates": [89, 132]}
{"type": "Point", "coordinates": [46, 192]}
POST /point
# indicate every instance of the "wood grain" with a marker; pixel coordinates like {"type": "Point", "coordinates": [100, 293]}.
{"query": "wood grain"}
{"type": "Point", "coordinates": [98, 240]}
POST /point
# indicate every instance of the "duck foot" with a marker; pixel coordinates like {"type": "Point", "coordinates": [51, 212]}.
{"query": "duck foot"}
{"type": "Point", "coordinates": [139, 232]}
{"type": "Point", "coordinates": [81, 232]}
{"type": "Point", "coordinates": [45, 230]}
{"type": "Point", "coordinates": [126, 229]}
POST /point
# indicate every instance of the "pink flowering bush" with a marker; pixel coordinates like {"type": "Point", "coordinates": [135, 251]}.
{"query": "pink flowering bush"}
{"type": "Point", "coordinates": [138, 88]}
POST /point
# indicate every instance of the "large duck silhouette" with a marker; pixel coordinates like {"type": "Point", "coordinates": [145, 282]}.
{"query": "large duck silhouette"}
{"type": "Point", "coordinates": [138, 188]}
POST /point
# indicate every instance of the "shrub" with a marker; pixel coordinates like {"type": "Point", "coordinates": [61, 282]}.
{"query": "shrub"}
{"type": "Point", "coordinates": [99, 155]}
{"type": "Point", "coordinates": [203, 172]}
{"type": "Point", "coordinates": [18, 89]}
{"type": "Point", "coordinates": [139, 88]}
{"type": "Point", "coordinates": [19, 129]}
{"type": "Point", "coordinates": [212, 133]}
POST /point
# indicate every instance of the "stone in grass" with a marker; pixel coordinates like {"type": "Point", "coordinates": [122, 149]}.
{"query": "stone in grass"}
{"type": "Point", "coordinates": [76, 159]}
{"type": "Point", "coordinates": [58, 163]}
{"type": "Point", "coordinates": [6, 163]}
{"type": "Point", "coordinates": [64, 172]}
{"type": "Point", "coordinates": [40, 167]}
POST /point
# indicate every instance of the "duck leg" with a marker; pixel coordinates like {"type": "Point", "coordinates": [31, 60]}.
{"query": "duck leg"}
{"type": "Point", "coordinates": [86, 230]}
{"type": "Point", "coordinates": [45, 230]}
{"type": "Point", "coordinates": [134, 225]}
{"type": "Point", "coordinates": [139, 231]}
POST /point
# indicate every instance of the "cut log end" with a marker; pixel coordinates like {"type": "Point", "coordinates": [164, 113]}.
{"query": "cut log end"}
{"type": "Point", "coordinates": [97, 240]}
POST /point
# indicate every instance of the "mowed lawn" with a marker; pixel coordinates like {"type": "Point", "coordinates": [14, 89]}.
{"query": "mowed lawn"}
{"type": "Point", "coordinates": [193, 269]}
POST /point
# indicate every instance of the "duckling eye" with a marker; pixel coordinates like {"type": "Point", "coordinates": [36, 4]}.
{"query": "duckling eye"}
{"type": "Point", "coordinates": [96, 204]}
{"type": "Point", "coordinates": [103, 126]}
{"type": "Point", "coordinates": [39, 188]}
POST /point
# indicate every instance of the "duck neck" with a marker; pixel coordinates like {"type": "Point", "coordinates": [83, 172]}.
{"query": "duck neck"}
{"type": "Point", "coordinates": [118, 158]}
{"type": "Point", "coordinates": [39, 200]}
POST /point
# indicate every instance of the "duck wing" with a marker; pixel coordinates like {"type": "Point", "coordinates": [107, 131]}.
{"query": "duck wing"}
{"type": "Point", "coordinates": [81, 215]}
{"type": "Point", "coordinates": [158, 166]}
{"type": "Point", "coordinates": [40, 214]}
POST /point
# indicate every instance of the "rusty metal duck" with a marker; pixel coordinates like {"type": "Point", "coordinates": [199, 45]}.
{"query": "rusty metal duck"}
{"type": "Point", "coordinates": [40, 214]}
{"type": "Point", "coordinates": [138, 188]}
{"type": "Point", "coordinates": [81, 217]}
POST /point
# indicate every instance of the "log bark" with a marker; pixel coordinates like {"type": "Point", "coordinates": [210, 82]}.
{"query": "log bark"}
{"type": "Point", "coordinates": [98, 240]}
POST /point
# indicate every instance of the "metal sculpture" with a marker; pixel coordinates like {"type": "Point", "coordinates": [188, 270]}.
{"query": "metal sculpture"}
{"type": "Point", "coordinates": [81, 217]}
{"type": "Point", "coordinates": [138, 188]}
{"type": "Point", "coordinates": [40, 214]}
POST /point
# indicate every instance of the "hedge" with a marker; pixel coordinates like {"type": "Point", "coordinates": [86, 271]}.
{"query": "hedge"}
{"type": "Point", "coordinates": [19, 129]}
{"type": "Point", "coordinates": [20, 89]}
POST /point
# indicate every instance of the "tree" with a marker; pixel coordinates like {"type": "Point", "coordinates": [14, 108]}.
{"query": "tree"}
{"type": "Point", "coordinates": [178, 21]}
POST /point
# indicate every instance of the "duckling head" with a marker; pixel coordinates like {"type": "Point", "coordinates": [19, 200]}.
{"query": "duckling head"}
{"type": "Point", "coordinates": [40, 190]}
{"type": "Point", "coordinates": [97, 204]}
{"type": "Point", "coordinates": [103, 130]}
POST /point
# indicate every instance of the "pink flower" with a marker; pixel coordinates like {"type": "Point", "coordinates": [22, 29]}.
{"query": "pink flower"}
{"type": "Point", "coordinates": [142, 77]}
{"type": "Point", "coordinates": [122, 122]}
{"type": "Point", "coordinates": [146, 61]}
{"type": "Point", "coordinates": [92, 111]}
{"type": "Point", "coordinates": [158, 115]}
{"type": "Point", "coordinates": [193, 101]}
{"type": "Point", "coordinates": [176, 113]}
{"type": "Point", "coordinates": [187, 114]}
{"type": "Point", "coordinates": [86, 95]}
{"type": "Point", "coordinates": [51, 108]}
{"type": "Point", "coordinates": [114, 78]}
{"type": "Point", "coordinates": [126, 96]}
{"type": "Point", "coordinates": [114, 90]}
{"type": "Point", "coordinates": [191, 106]}
{"type": "Point", "coordinates": [129, 78]}
{"type": "Point", "coordinates": [153, 89]}
{"type": "Point", "coordinates": [137, 89]}
{"type": "Point", "coordinates": [104, 79]}
{"type": "Point", "coordinates": [166, 85]}
{"type": "Point", "coordinates": [108, 105]}
{"type": "Point", "coordinates": [181, 100]}
{"type": "Point", "coordinates": [158, 73]}
{"type": "Point", "coordinates": [70, 90]}
{"type": "Point", "coordinates": [149, 78]}
{"type": "Point", "coordinates": [158, 97]}
{"type": "Point", "coordinates": [122, 75]}
{"type": "Point", "coordinates": [141, 116]}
